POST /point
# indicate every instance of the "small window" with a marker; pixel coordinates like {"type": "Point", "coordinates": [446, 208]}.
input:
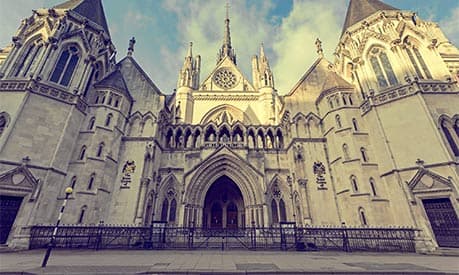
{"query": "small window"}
{"type": "Point", "coordinates": [355, 125]}
{"type": "Point", "coordinates": [92, 121]}
{"type": "Point", "coordinates": [373, 187]}
{"type": "Point", "coordinates": [345, 151]}
{"type": "Point", "coordinates": [117, 102]}
{"type": "Point", "coordinates": [82, 213]}
{"type": "Point", "coordinates": [363, 218]}
{"type": "Point", "coordinates": [338, 121]}
{"type": "Point", "coordinates": [354, 185]}
{"type": "Point", "coordinates": [110, 100]}
{"type": "Point", "coordinates": [65, 66]}
{"type": "Point", "coordinates": [91, 181]}
{"type": "Point", "coordinates": [73, 182]}
{"type": "Point", "coordinates": [363, 151]}
{"type": "Point", "coordinates": [100, 150]}
{"type": "Point", "coordinates": [82, 153]}
{"type": "Point", "coordinates": [350, 100]}
{"type": "Point", "coordinates": [108, 120]}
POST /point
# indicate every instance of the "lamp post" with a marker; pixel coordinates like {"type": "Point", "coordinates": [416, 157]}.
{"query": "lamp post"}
{"type": "Point", "coordinates": [68, 192]}
{"type": "Point", "coordinates": [290, 184]}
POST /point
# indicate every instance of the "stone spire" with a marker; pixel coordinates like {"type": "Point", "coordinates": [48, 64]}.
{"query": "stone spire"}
{"type": "Point", "coordinates": [261, 71]}
{"type": "Point", "coordinates": [189, 74]}
{"type": "Point", "coordinates": [226, 49]}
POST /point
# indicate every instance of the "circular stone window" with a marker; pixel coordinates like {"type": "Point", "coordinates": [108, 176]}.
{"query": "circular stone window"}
{"type": "Point", "coordinates": [225, 79]}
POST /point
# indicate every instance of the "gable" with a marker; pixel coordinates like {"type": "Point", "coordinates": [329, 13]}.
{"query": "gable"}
{"type": "Point", "coordinates": [19, 181]}
{"type": "Point", "coordinates": [226, 77]}
{"type": "Point", "coordinates": [428, 181]}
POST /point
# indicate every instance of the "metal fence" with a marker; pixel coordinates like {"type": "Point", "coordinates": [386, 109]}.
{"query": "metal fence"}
{"type": "Point", "coordinates": [253, 238]}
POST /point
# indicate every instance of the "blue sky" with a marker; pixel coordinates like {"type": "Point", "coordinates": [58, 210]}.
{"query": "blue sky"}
{"type": "Point", "coordinates": [288, 29]}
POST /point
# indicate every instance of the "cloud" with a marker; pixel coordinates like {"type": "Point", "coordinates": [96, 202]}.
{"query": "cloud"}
{"type": "Point", "coordinates": [11, 14]}
{"type": "Point", "coordinates": [450, 24]}
{"type": "Point", "coordinates": [295, 48]}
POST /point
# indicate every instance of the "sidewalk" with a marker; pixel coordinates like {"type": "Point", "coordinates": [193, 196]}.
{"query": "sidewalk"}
{"type": "Point", "coordinates": [227, 262]}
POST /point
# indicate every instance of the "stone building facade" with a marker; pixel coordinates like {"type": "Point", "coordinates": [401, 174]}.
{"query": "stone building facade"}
{"type": "Point", "coordinates": [370, 139]}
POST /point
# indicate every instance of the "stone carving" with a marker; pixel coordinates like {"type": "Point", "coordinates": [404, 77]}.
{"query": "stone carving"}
{"type": "Point", "coordinates": [225, 79]}
{"type": "Point", "coordinates": [128, 169]}
{"type": "Point", "coordinates": [298, 152]}
{"type": "Point", "coordinates": [319, 171]}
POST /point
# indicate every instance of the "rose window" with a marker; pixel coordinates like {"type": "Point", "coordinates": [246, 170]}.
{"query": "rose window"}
{"type": "Point", "coordinates": [225, 79]}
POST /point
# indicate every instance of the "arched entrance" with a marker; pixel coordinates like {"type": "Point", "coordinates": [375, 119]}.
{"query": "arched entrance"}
{"type": "Point", "coordinates": [223, 205]}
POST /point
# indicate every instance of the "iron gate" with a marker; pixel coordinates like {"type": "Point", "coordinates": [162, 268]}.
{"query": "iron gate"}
{"type": "Point", "coordinates": [9, 207]}
{"type": "Point", "coordinates": [443, 220]}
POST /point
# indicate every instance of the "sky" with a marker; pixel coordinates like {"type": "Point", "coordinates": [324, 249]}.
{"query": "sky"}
{"type": "Point", "coordinates": [287, 28]}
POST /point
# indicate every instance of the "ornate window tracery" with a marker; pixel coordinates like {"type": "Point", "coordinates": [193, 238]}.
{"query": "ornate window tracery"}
{"type": "Point", "coordinates": [65, 66]}
{"type": "Point", "coordinates": [382, 68]}
{"type": "Point", "coordinates": [30, 59]}
{"type": "Point", "coordinates": [225, 78]}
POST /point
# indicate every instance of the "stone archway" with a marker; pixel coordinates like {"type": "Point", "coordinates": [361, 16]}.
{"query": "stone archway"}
{"type": "Point", "coordinates": [226, 166]}
{"type": "Point", "coordinates": [223, 205]}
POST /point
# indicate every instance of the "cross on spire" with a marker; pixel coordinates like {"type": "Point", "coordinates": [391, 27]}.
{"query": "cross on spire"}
{"type": "Point", "coordinates": [227, 10]}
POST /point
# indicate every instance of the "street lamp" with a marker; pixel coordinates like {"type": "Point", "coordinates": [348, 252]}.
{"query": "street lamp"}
{"type": "Point", "coordinates": [68, 192]}
{"type": "Point", "coordinates": [290, 184]}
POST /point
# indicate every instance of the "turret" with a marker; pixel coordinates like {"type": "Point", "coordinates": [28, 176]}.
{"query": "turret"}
{"type": "Point", "coordinates": [187, 82]}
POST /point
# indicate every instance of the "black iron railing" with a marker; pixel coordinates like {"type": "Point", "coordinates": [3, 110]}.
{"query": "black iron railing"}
{"type": "Point", "coordinates": [253, 238]}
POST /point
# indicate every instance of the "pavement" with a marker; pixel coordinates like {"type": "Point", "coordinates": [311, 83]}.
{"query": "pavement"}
{"type": "Point", "coordinates": [223, 262]}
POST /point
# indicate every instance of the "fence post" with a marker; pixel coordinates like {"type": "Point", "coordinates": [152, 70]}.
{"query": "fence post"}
{"type": "Point", "coordinates": [346, 246]}
{"type": "Point", "coordinates": [99, 235]}
{"type": "Point", "coordinates": [254, 236]}
{"type": "Point", "coordinates": [191, 236]}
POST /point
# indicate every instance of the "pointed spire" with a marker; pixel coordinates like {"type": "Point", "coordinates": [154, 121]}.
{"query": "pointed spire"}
{"type": "Point", "coordinates": [361, 9]}
{"type": "Point", "coordinates": [91, 9]}
{"type": "Point", "coordinates": [262, 50]}
{"type": "Point", "coordinates": [131, 46]}
{"type": "Point", "coordinates": [227, 49]}
{"type": "Point", "coordinates": [190, 50]}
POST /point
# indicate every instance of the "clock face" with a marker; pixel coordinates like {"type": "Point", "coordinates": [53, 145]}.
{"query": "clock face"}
{"type": "Point", "coordinates": [225, 79]}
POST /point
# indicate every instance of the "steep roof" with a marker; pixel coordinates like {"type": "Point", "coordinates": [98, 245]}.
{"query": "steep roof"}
{"type": "Point", "coordinates": [333, 80]}
{"type": "Point", "coordinates": [361, 9]}
{"type": "Point", "coordinates": [90, 9]}
{"type": "Point", "coordinates": [115, 80]}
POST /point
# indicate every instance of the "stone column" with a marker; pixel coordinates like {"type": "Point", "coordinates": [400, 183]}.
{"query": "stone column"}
{"type": "Point", "coordinates": [265, 215]}
{"type": "Point", "coordinates": [141, 200]}
{"type": "Point", "coordinates": [304, 193]}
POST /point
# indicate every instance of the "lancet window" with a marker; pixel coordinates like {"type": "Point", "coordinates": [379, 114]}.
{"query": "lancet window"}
{"type": "Point", "coordinates": [65, 66]}
{"type": "Point", "coordinates": [30, 58]}
{"type": "Point", "coordinates": [382, 68]}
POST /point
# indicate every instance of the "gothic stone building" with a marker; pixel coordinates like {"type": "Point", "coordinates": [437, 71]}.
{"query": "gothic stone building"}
{"type": "Point", "coordinates": [370, 139]}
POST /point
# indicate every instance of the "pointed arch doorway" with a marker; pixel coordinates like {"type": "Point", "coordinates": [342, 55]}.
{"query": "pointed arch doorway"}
{"type": "Point", "coordinates": [223, 205]}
